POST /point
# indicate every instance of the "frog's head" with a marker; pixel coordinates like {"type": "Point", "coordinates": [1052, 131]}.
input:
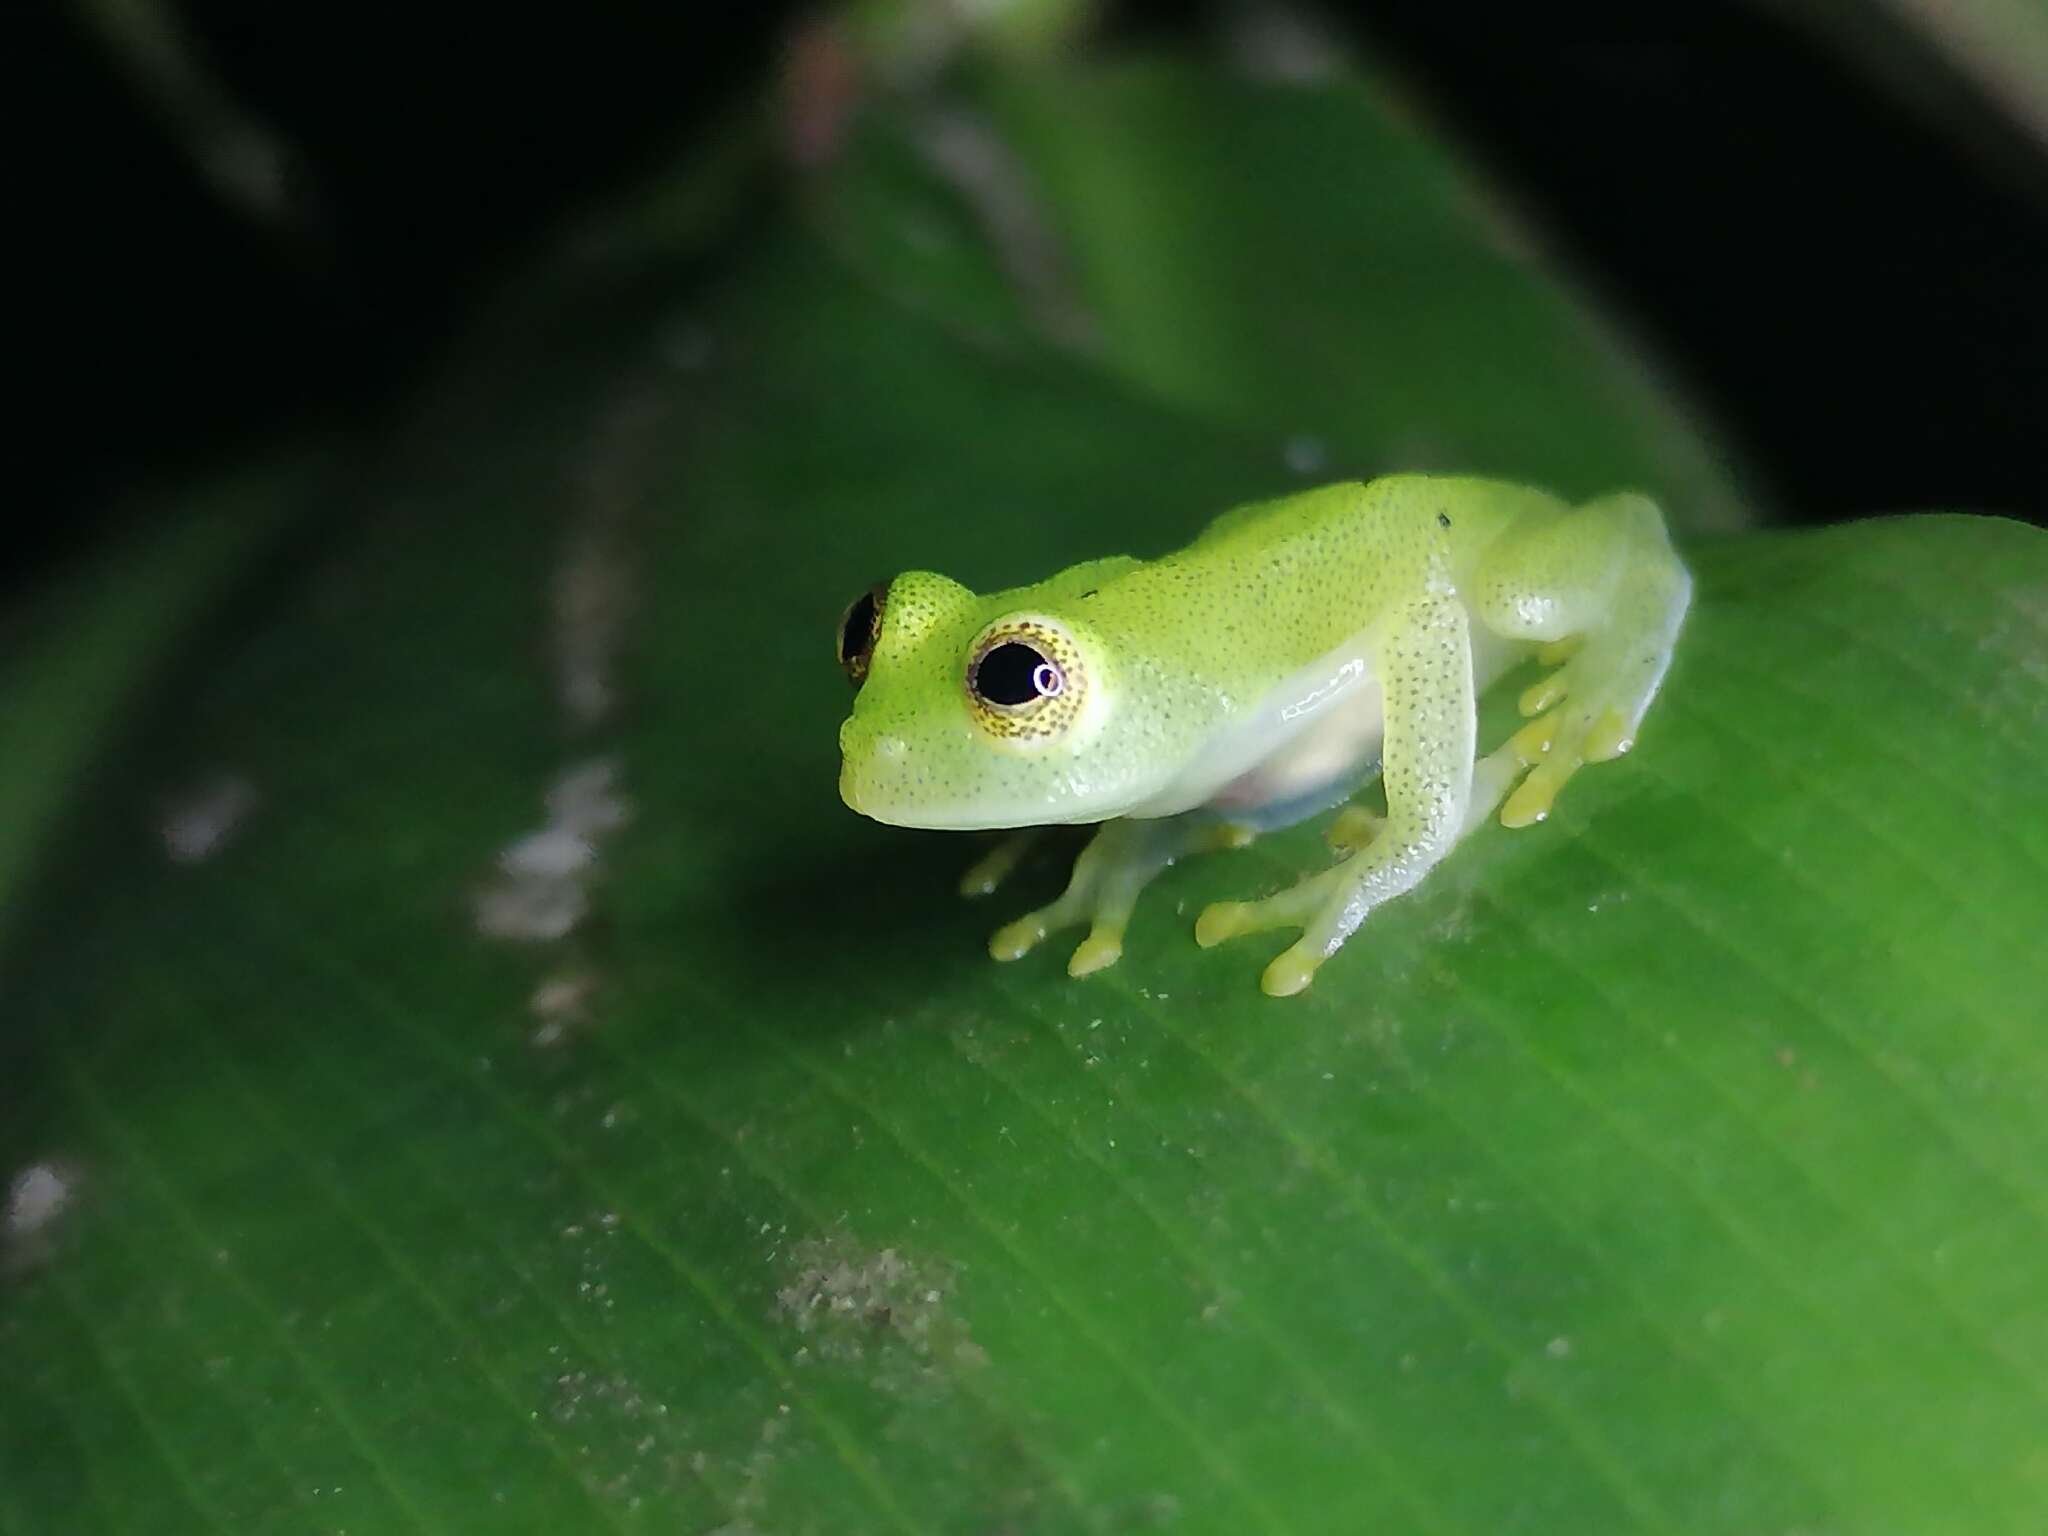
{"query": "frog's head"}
{"type": "Point", "coordinates": [975, 712]}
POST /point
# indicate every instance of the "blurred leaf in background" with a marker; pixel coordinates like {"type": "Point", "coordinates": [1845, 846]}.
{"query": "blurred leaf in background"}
{"type": "Point", "coordinates": [462, 1069]}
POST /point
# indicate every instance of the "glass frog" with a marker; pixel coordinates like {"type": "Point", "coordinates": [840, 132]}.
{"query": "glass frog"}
{"type": "Point", "coordinates": [1260, 675]}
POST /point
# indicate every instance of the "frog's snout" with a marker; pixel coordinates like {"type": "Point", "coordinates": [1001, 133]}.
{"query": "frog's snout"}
{"type": "Point", "coordinates": [861, 754]}
{"type": "Point", "coordinates": [849, 749]}
{"type": "Point", "coordinates": [862, 746]}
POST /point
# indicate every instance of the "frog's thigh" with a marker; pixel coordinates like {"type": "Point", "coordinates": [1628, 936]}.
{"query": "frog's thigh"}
{"type": "Point", "coordinates": [1425, 659]}
{"type": "Point", "coordinates": [1118, 863]}
{"type": "Point", "coordinates": [1602, 585]}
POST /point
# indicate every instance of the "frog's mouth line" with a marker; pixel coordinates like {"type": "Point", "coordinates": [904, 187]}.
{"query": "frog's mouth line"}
{"type": "Point", "coordinates": [936, 819]}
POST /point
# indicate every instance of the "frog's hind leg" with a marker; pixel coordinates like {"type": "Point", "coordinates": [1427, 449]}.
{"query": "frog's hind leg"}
{"type": "Point", "coordinates": [1119, 862]}
{"type": "Point", "coordinates": [1601, 588]}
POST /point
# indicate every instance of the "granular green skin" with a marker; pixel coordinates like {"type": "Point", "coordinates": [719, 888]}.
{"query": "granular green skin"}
{"type": "Point", "coordinates": [1251, 677]}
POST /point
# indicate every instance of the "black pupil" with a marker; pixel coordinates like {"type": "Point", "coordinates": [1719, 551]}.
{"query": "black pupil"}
{"type": "Point", "coordinates": [859, 630]}
{"type": "Point", "coordinates": [1008, 674]}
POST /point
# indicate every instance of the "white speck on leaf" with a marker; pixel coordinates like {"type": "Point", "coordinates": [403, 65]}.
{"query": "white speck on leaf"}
{"type": "Point", "coordinates": [542, 888]}
{"type": "Point", "coordinates": [585, 799]}
{"type": "Point", "coordinates": [530, 911]}
{"type": "Point", "coordinates": [36, 1196]}
{"type": "Point", "coordinates": [883, 1308]}
{"type": "Point", "coordinates": [594, 581]}
{"type": "Point", "coordinates": [553, 853]}
{"type": "Point", "coordinates": [1305, 454]}
{"type": "Point", "coordinates": [201, 821]}
{"type": "Point", "coordinates": [560, 1004]}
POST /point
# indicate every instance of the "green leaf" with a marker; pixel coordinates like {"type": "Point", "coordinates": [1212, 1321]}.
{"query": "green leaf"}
{"type": "Point", "coordinates": [1677, 1165]}
{"type": "Point", "coordinates": [73, 660]}
{"type": "Point", "coordinates": [1305, 265]}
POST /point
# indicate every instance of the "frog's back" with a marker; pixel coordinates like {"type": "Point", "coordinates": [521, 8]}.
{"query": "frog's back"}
{"type": "Point", "coordinates": [1273, 584]}
{"type": "Point", "coordinates": [1379, 519]}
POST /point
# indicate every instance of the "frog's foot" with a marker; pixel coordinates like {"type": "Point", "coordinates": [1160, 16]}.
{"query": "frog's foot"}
{"type": "Point", "coordinates": [1118, 863]}
{"type": "Point", "coordinates": [1546, 691]}
{"type": "Point", "coordinates": [1299, 906]}
{"type": "Point", "coordinates": [1001, 861]}
{"type": "Point", "coordinates": [1602, 588]}
{"type": "Point", "coordinates": [1326, 907]}
{"type": "Point", "coordinates": [1586, 711]}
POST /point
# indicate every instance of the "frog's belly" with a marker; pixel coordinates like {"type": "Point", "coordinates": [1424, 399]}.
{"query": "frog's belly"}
{"type": "Point", "coordinates": [1309, 743]}
{"type": "Point", "coordinates": [1313, 771]}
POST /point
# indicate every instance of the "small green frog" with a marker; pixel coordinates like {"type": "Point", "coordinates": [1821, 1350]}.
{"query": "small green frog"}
{"type": "Point", "coordinates": [1256, 677]}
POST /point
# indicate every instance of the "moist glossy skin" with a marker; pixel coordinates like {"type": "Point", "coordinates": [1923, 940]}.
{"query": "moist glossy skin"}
{"type": "Point", "coordinates": [1256, 677]}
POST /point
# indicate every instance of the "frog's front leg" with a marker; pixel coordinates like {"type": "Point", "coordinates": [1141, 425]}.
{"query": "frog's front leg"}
{"type": "Point", "coordinates": [1492, 777]}
{"type": "Point", "coordinates": [1118, 863]}
{"type": "Point", "coordinates": [1001, 861]}
{"type": "Point", "coordinates": [1425, 663]}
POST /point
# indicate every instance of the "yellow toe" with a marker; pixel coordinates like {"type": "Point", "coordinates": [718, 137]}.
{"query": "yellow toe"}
{"type": "Point", "coordinates": [1532, 743]}
{"type": "Point", "coordinates": [1232, 834]}
{"type": "Point", "coordinates": [1540, 695]}
{"type": "Point", "coordinates": [1291, 972]}
{"type": "Point", "coordinates": [1094, 953]}
{"type": "Point", "coordinates": [1354, 827]}
{"type": "Point", "coordinates": [1221, 920]}
{"type": "Point", "coordinates": [1608, 738]}
{"type": "Point", "coordinates": [997, 865]}
{"type": "Point", "coordinates": [1013, 941]}
{"type": "Point", "coordinates": [1533, 798]}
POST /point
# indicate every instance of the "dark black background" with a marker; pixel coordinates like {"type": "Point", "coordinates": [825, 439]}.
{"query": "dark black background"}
{"type": "Point", "coordinates": [1856, 289]}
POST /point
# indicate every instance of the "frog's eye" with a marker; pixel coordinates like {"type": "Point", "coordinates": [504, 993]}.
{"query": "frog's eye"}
{"type": "Point", "coordinates": [1016, 673]}
{"type": "Point", "coordinates": [1025, 681]}
{"type": "Point", "coordinates": [859, 628]}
